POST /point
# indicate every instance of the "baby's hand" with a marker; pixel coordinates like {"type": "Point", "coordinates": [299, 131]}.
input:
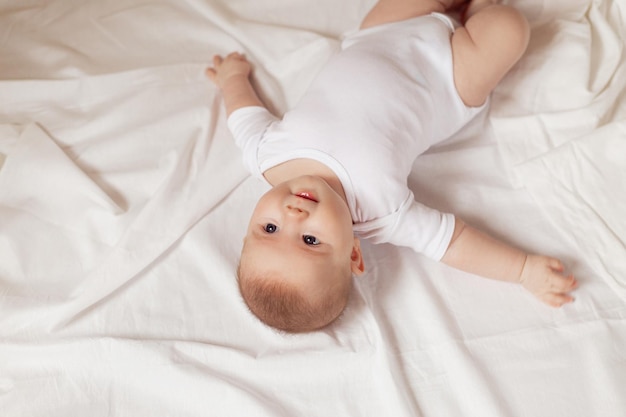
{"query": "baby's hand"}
{"type": "Point", "coordinates": [543, 276]}
{"type": "Point", "coordinates": [235, 64]}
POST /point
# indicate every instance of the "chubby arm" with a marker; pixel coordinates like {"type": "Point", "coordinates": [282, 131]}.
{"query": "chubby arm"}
{"type": "Point", "coordinates": [478, 253]}
{"type": "Point", "coordinates": [232, 76]}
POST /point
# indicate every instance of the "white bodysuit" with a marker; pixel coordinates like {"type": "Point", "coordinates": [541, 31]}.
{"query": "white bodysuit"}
{"type": "Point", "coordinates": [385, 98]}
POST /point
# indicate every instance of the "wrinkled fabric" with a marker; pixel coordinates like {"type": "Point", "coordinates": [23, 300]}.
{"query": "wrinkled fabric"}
{"type": "Point", "coordinates": [124, 202]}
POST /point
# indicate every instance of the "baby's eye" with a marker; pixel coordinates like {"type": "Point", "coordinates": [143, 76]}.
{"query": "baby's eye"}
{"type": "Point", "coordinates": [270, 228]}
{"type": "Point", "coordinates": [310, 240]}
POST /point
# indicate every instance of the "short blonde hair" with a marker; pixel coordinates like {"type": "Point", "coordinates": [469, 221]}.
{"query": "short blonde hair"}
{"type": "Point", "coordinates": [282, 305]}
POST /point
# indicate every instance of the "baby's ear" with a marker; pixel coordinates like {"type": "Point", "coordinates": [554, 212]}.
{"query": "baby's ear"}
{"type": "Point", "coordinates": [356, 258]}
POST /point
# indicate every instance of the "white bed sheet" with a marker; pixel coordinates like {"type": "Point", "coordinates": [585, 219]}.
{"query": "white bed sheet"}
{"type": "Point", "coordinates": [123, 202]}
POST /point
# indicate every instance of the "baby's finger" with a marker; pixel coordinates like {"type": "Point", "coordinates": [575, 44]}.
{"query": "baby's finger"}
{"type": "Point", "coordinates": [235, 55]}
{"type": "Point", "coordinates": [211, 73]}
{"type": "Point", "coordinates": [556, 265]}
{"type": "Point", "coordinates": [217, 60]}
{"type": "Point", "coordinates": [559, 283]}
{"type": "Point", "coordinates": [556, 300]}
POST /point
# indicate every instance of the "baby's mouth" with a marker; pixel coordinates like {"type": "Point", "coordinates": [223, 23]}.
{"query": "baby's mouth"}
{"type": "Point", "coordinates": [307, 196]}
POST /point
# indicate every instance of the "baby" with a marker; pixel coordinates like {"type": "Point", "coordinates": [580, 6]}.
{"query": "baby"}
{"type": "Point", "coordinates": [338, 162]}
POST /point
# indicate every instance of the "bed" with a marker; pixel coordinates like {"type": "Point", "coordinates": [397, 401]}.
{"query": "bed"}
{"type": "Point", "coordinates": [123, 204]}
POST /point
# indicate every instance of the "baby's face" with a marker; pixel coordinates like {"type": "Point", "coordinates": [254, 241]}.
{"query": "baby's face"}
{"type": "Point", "coordinates": [299, 227]}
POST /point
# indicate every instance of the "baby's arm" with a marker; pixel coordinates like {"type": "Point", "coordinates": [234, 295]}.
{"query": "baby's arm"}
{"type": "Point", "coordinates": [476, 252]}
{"type": "Point", "coordinates": [232, 75]}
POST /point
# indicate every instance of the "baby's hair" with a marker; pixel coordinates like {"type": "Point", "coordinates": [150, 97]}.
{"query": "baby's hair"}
{"type": "Point", "coordinates": [283, 306]}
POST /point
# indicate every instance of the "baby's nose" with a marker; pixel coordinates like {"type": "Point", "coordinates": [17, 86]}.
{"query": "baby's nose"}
{"type": "Point", "coordinates": [294, 210]}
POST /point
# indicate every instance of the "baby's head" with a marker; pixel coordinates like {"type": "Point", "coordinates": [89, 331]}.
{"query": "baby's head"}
{"type": "Point", "coordinates": [299, 255]}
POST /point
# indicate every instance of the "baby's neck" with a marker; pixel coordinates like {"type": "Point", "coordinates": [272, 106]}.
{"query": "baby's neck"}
{"type": "Point", "coordinates": [303, 166]}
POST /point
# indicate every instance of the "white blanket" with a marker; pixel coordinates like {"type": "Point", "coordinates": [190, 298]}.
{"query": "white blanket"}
{"type": "Point", "coordinates": [123, 203]}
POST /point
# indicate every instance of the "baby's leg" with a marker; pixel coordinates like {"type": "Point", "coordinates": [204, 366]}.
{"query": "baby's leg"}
{"type": "Point", "coordinates": [387, 11]}
{"type": "Point", "coordinates": [484, 50]}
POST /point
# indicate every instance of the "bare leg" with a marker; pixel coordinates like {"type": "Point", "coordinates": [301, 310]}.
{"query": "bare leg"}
{"type": "Point", "coordinates": [387, 11]}
{"type": "Point", "coordinates": [484, 50]}
{"type": "Point", "coordinates": [476, 5]}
